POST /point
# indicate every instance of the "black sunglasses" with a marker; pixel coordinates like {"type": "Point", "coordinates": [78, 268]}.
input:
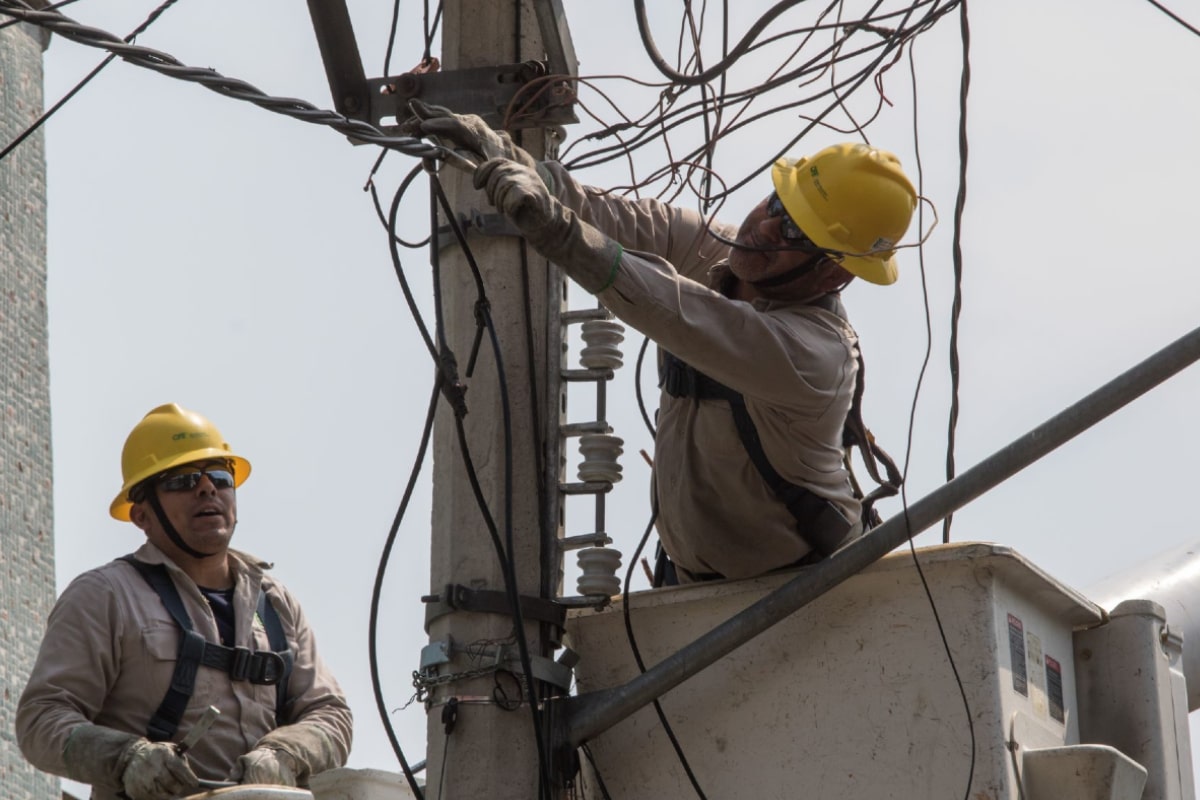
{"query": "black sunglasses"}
{"type": "Point", "coordinates": [787, 227]}
{"type": "Point", "coordinates": [221, 477]}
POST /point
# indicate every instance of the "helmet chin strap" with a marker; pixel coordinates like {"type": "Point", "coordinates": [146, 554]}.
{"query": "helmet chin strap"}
{"type": "Point", "coordinates": [783, 277]}
{"type": "Point", "coordinates": [172, 534]}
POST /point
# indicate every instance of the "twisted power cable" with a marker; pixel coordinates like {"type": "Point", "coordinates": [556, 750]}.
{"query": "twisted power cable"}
{"type": "Point", "coordinates": [167, 64]}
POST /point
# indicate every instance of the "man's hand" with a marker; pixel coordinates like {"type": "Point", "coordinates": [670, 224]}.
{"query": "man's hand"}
{"type": "Point", "coordinates": [156, 771]}
{"type": "Point", "coordinates": [466, 132]}
{"type": "Point", "coordinates": [517, 191]}
{"type": "Point", "coordinates": [266, 765]}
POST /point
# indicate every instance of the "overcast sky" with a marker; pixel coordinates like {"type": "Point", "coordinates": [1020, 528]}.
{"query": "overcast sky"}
{"type": "Point", "coordinates": [207, 252]}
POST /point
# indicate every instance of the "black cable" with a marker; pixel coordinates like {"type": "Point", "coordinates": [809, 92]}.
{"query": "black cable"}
{"type": "Point", "coordinates": [637, 653]}
{"type": "Point", "coordinates": [383, 218]}
{"type": "Point", "coordinates": [214, 81]}
{"type": "Point", "coordinates": [960, 202]}
{"type": "Point", "coordinates": [391, 40]}
{"type": "Point", "coordinates": [377, 591]}
{"type": "Point", "coordinates": [912, 416]}
{"type": "Point", "coordinates": [51, 7]}
{"type": "Point", "coordinates": [1174, 16]}
{"type": "Point", "coordinates": [587, 753]}
{"type": "Point", "coordinates": [637, 386]}
{"type": "Point", "coordinates": [41, 120]}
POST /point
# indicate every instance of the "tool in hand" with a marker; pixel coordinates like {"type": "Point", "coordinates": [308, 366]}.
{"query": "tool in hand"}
{"type": "Point", "coordinates": [199, 729]}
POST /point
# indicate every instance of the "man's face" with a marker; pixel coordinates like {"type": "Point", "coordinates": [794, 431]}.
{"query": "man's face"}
{"type": "Point", "coordinates": [199, 500]}
{"type": "Point", "coordinates": [763, 233]}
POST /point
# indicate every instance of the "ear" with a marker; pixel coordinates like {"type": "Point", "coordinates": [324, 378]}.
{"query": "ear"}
{"type": "Point", "coordinates": [139, 516]}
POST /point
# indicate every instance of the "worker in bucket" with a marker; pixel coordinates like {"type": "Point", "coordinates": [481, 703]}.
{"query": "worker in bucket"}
{"type": "Point", "coordinates": [760, 370]}
{"type": "Point", "coordinates": [184, 661]}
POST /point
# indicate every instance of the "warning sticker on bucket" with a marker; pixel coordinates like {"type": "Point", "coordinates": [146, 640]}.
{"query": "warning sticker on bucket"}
{"type": "Point", "coordinates": [1016, 654]}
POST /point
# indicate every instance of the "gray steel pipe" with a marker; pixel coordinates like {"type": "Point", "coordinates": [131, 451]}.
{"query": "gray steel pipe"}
{"type": "Point", "coordinates": [1171, 579]}
{"type": "Point", "coordinates": [584, 717]}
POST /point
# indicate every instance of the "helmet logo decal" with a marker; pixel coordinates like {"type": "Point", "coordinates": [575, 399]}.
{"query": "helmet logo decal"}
{"type": "Point", "coordinates": [816, 177]}
{"type": "Point", "coordinates": [188, 435]}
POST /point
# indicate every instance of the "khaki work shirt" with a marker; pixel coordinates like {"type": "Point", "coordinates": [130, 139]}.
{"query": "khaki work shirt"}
{"type": "Point", "coordinates": [795, 364]}
{"type": "Point", "coordinates": [109, 653]}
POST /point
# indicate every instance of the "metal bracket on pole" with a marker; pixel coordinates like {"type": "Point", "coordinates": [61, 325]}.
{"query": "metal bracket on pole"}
{"type": "Point", "coordinates": [512, 96]}
{"type": "Point", "coordinates": [480, 223]}
{"type": "Point", "coordinates": [339, 52]}
{"type": "Point", "coordinates": [456, 597]}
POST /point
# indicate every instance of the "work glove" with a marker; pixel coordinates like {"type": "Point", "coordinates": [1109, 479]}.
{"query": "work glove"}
{"type": "Point", "coordinates": [517, 191]}
{"type": "Point", "coordinates": [266, 765]}
{"type": "Point", "coordinates": [289, 756]}
{"type": "Point", "coordinates": [124, 761]}
{"type": "Point", "coordinates": [156, 771]}
{"type": "Point", "coordinates": [466, 132]}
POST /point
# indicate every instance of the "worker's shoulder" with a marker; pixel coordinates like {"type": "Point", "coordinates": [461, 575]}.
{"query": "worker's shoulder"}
{"type": "Point", "coordinates": [814, 320]}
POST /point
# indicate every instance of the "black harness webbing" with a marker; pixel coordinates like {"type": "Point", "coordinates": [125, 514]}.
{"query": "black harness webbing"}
{"type": "Point", "coordinates": [819, 521]}
{"type": "Point", "coordinates": [267, 667]}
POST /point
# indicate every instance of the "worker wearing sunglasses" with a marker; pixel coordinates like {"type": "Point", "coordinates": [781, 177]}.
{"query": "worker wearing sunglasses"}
{"type": "Point", "coordinates": [137, 650]}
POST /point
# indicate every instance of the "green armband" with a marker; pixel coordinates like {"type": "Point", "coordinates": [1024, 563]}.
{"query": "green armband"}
{"type": "Point", "coordinates": [616, 265]}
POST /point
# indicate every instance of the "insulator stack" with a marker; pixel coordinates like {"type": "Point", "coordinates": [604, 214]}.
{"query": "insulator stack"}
{"type": "Point", "coordinates": [600, 452]}
{"type": "Point", "coordinates": [601, 344]}
{"type": "Point", "coordinates": [598, 567]}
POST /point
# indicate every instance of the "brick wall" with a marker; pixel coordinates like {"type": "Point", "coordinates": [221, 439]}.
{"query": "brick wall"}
{"type": "Point", "coordinates": [26, 510]}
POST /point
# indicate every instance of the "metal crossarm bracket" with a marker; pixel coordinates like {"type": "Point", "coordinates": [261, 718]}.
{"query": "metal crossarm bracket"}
{"type": "Point", "coordinates": [456, 597]}
{"type": "Point", "coordinates": [497, 94]}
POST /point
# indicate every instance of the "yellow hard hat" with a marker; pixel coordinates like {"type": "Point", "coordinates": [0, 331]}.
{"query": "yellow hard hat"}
{"type": "Point", "coordinates": [851, 198]}
{"type": "Point", "coordinates": [167, 437]}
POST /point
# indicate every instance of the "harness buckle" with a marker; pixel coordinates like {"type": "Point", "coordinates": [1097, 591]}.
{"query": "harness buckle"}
{"type": "Point", "coordinates": [268, 668]}
{"type": "Point", "coordinates": [239, 669]}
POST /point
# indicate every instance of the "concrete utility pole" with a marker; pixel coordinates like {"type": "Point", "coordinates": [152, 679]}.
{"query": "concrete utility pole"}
{"type": "Point", "coordinates": [491, 749]}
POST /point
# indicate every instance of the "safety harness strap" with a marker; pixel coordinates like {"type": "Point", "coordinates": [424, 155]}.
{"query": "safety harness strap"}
{"type": "Point", "coordinates": [259, 667]}
{"type": "Point", "coordinates": [821, 523]}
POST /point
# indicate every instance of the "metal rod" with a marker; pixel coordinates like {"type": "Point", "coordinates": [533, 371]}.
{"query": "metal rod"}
{"type": "Point", "coordinates": [584, 717]}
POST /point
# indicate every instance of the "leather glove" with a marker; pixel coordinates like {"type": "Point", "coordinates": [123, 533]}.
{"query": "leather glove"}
{"type": "Point", "coordinates": [156, 771]}
{"type": "Point", "coordinates": [517, 191]}
{"type": "Point", "coordinates": [266, 765]}
{"type": "Point", "coordinates": [115, 760]}
{"type": "Point", "coordinates": [467, 132]}
{"type": "Point", "coordinates": [289, 756]}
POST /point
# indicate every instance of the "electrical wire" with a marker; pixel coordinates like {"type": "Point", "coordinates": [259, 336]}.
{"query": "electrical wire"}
{"type": "Point", "coordinates": [214, 81]}
{"type": "Point", "coordinates": [637, 653]}
{"type": "Point", "coordinates": [377, 590]}
{"type": "Point", "coordinates": [51, 7]}
{"type": "Point", "coordinates": [48, 113]}
{"type": "Point", "coordinates": [960, 202]}
{"type": "Point", "coordinates": [1174, 16]}
{"type": "Point", "coordinates": [912, 417]}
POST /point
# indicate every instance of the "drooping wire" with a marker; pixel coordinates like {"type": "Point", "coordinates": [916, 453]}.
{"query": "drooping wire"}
{"type": "Point", "coordinates": [912, 416]}
{"type": "Point", "coordinates": [957, 257]}
{"type": "Point", "coordinates": [637, 386]}
{"type": "Point", "coordinates": [637, 653]}
{"type": "Point", "coordinates": [48, 113]}
{"type": "Point", "coordinates": [377, 591]}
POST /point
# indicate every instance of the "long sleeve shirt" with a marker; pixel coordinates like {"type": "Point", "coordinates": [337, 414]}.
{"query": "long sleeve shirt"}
{"type": "Point", "coordinates": [795, 364]}
{"type": "Point", "coordinates": [109, 653]}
